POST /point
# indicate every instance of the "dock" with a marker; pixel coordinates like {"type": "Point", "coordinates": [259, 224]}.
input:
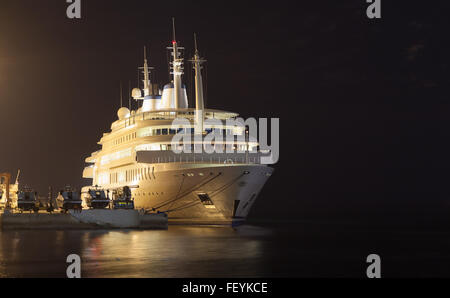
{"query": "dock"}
{"type": "Point", "coordinates": [85, 219]}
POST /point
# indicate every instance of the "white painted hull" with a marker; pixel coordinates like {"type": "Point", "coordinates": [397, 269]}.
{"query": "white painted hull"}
{"type": "Point", "coordinates": [233, 190]}
{"type": "Point", "coordinates": [225, 185]}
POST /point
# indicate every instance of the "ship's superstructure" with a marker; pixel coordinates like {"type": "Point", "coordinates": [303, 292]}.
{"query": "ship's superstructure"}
{"type": "Point", "coordinates": [192, 186]}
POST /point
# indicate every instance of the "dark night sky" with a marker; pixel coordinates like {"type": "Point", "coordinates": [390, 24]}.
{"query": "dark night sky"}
{"type": "Point", "coordinates": [363, 104]}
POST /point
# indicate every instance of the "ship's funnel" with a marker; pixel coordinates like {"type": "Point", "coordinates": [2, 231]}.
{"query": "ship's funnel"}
{"type": "Point", "coordinates": [168, 100]}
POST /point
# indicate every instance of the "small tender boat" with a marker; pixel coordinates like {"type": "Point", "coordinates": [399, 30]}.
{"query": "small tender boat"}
{"type": "Point", "coordinates": [27, 200]}
{"type": "Point", "coordinates": [69, 199]}
{"type": "Point", "coordinates": [123, 198]}
{"type": "Point", "coordinates": [97, 199]}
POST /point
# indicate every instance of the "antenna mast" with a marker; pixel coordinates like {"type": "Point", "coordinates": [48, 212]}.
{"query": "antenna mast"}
{"type": "Point", "coordinates": [199, 102]}
{"type": "Point", "coordinates": [173, 30]}
{"type": "Point", "coordinates": [151, 94]}
{"type": "Point", "coordinates": [177, 67]}
{"type": "Point", "coordinates": [146, 74]}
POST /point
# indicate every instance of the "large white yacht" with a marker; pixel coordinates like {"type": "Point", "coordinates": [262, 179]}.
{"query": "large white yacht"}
{"type": "Point", "coordinates": [191, 187]}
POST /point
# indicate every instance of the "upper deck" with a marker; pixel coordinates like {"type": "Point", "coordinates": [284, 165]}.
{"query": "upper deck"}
{"type": "Point", "coordinates": [170, 114]}
{"type": "Point", "coordinates": [136, 128]}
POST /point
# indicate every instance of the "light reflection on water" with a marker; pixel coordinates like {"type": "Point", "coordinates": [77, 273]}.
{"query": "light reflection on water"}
{"type": "Point", "coordinates": [289, 250]}
{"type": "Point", "coordinates": [177, 252]}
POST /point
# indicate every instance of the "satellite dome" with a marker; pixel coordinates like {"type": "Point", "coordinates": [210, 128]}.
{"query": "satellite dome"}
{"type": "Point", "coordinates": [136, 92]}
{"type": "Point", "coordinates": [123, 113]}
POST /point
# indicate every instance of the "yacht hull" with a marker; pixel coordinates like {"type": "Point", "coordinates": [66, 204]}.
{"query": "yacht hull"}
{"type": "Point", "coordinates": [203, 194]}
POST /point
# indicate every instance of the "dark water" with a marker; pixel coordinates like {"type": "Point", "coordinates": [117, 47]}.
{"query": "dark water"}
{"type": "Point", "coordinates": [284, 250]}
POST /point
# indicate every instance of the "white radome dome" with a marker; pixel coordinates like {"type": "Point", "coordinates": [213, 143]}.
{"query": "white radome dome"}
{"type": "Point", "coordinates": [123, 113]}
{"type": "Point", "coordinates": [136, 92]}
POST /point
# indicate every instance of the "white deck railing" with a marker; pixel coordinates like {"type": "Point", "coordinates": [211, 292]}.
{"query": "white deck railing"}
{"type": "Point", "coordinates": [168, 156]}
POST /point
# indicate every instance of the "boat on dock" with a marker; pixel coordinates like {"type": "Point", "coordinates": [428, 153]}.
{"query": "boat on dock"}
{"type": "Point", "coordinates": [122, 198]}
{"type": "Point", "coordinates": [27, 200]}
{"type": "Point", "coordinates": [69, 199]}
{"type": "Point", "coordinates": [97, 198]}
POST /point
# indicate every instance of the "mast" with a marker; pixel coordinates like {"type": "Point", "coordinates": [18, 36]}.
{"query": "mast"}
{"type": "Point", "coordinates": [199, 102]}
{"type": "Point", "coordinates": [150, 90]}
{"type": "Point", "coordinates": [177, 65]}
{"type": "Point", "coordinates": [146, 74]}
{"type": "Point", "coordinates": [17, 177]}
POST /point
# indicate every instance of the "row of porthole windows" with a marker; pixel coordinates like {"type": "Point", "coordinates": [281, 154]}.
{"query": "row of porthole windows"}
{"type": "Point", "coordinates": [165, 131]}
{"type": "Point", "coordinates": [193, 174]}
{"type": "Point", "coordinates": [191, 147]}
{"type": "Point", "coordinates": [126, 138]}
{"type": "Point", "coordinates": [114, 177]}
{"type": "Point", "coordinates": [171, 131]}
{"type": "Point", "coordinates": [134, 175]}
{"type": "Point", "coordinates": [149, 193]}
{"type": "Point", "coordinates": [139, 174]}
